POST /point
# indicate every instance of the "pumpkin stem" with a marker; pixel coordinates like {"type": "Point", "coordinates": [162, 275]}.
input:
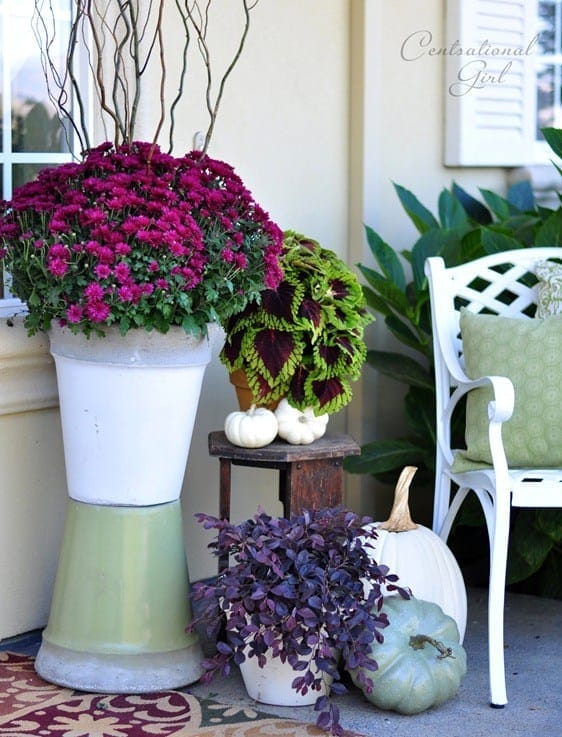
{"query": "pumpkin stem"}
{"type": "Point", "coordinates": [417, 642]}
{"type": "Point", "coordinates": [252, 409]}
{"type": "Point", "coordinates": [400, 519]}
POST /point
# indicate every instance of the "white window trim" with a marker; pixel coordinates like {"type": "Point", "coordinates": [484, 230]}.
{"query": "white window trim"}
{"type": "Point", "coordinates": [11, 305]}
{"type": "Point", "coordinates": [31, 157]}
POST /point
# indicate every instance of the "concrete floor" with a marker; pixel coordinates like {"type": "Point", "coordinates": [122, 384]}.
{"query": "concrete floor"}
{"type": "Point", "coordinates": [533, 633]}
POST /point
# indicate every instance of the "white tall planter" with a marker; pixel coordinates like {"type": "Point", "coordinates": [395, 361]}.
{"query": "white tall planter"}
{"type": "Point", "coordinates": [128, 406]}
{"type": "Point", "coordinates": [120, 603]}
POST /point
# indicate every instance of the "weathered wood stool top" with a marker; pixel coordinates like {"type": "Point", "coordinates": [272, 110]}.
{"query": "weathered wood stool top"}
{"type": "Point", "coordinates": [310, 476]}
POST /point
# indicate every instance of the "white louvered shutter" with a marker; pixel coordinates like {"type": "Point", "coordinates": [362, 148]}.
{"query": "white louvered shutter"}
{"type": "Point", "coordinates": [495, 124]}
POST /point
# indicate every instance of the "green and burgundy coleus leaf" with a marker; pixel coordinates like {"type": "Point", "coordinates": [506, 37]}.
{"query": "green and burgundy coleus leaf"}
{"type": "Point", "coordinates": [304, 340]}
{"type": "Point", "coordinates": [275, 354]}
{"type": "Point", "coordinates": [325, 394]}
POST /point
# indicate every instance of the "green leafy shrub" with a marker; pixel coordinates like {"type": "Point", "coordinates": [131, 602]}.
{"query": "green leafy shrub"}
{"type": "Point", "coordinates": [463, 229]}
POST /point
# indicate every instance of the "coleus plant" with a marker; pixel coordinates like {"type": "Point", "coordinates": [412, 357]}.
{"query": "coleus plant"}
{"type": "Point", "coordinates": [304, 339]}
{"type": "Point", "coordinates": [295, 590]}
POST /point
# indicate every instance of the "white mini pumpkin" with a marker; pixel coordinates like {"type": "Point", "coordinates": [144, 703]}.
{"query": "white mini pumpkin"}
{"type": "Point", "coordinates": [252, 429]}
{"type": "Point", "coordinates": [419, 557]}
{"type": "Point", "coordinates": [299, 427]}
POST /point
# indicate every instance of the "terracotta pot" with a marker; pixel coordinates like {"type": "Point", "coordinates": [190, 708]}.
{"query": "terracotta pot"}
{"type": "Point", "coordinates": [243, 393]}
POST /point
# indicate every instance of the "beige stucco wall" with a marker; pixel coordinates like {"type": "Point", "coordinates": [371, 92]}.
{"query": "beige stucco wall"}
{"type": "Point", "coordinates": [397, 134]}
{"type": "Point", "coordinates": [284, 125]}
{"type": "Point", "coordinates": [32, 488]}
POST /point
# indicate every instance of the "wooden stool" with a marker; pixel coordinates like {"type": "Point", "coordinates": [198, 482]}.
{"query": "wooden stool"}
{"type": "Point", "coordinates": [310, 476]}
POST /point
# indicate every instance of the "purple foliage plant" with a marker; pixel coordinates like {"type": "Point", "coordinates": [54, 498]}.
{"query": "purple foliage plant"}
{"type": "Point", "coordinates": [295, 591]}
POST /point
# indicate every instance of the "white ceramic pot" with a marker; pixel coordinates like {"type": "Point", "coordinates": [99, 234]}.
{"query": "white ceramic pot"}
{"type": "Point", "coordinates": [128, 406]}
{"type": "Point", "coordinates": [272, 683]}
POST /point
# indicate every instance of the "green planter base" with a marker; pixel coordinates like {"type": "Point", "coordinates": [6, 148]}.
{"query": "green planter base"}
{"type": "Point", "coordinates": [121, 603]}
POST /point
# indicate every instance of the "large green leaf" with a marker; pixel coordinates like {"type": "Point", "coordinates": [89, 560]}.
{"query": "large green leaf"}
{"type": "Point", "coordinates": [400, 367]}
{"type": "Point", "coordinates": [471, 247]}
{"type": "Point", "coordinates": [376, 303]}
{"type": "Point", "coordinates": [548, 581]}
{"type": "Point", "coordinates": [553, 136]}
{"type": "Point", "coordinates": [429, 244]}
{"type": "Point", "coordinates": [386, 257]}
{"type": "Point", "coordinates": [549, 523]}
{"type": "Point", "coordinates": [423, 321]}
{"type": "Point", "coordinates": [521, 196]}
{"type": "Point", "coordinates": [452, 245]}
{"type": "Point", "coordinates": [437, 242]}
{"type": "Point", "coordinates": [420, 414]}
{"type": "Point", "coordinates": [529, 547]}
{"type": "Point", "coordinates": [494, 242]}
{"type": "Point", "coordinates": [403, 332]}
{"type": "Point", "coordinates": [384, 455]}
{"type": "Point", "coordinates": [550, 232]}
{"type": "Point", "coordinates": [451, 213]}
{"type": "Point", "coordinates": [544, 212]}
{"type": "Point", "coordinates": [386, 289]}
{"type": "Point", "coordinates": [497, 204]}
{"type": "Point", "coordinates": [522, 227]}
{"type": "Point", "coordinates": [473, 207]}
{"type": "Point", "coordinates": [422, 218]}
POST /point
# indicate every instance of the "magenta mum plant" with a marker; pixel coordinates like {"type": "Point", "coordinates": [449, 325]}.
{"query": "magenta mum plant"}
{"type": "Point", "coordinates": [137, 238]}
{"type": "Point", "coordinates": [294, 591]}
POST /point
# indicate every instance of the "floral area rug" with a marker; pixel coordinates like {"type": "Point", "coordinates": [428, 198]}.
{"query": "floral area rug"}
{"type": "Point", "coordinates": [31, 707]}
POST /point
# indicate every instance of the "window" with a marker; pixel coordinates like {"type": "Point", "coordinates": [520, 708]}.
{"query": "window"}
{"type": "Point", "coordinates": [549, 68]}
{"type": "Point", "coordinates": [31, 135]}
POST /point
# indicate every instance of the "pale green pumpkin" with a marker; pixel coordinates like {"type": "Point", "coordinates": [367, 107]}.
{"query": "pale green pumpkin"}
{"type": "Point", "coordinates": [421, 663]}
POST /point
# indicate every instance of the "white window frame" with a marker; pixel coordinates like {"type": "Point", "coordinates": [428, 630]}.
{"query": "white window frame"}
{"type": "Point", "coordinates": [8, 157]}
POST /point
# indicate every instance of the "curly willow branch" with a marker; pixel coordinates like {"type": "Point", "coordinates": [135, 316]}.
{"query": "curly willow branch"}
{"type": "Point", "coordinates": [61, 84]}
{"type": "Point", "coordinates": [121, 39]}
{"type": "Point", "coordinates": [200, 22]}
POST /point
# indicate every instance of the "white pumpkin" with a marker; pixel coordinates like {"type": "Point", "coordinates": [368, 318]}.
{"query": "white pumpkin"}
{"type": "Point", "coordinates": [419, 557]}
{"type": "Point", "coordinates": [299, 427]}
{"type": "Point", "coordinates": [252, 429]}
